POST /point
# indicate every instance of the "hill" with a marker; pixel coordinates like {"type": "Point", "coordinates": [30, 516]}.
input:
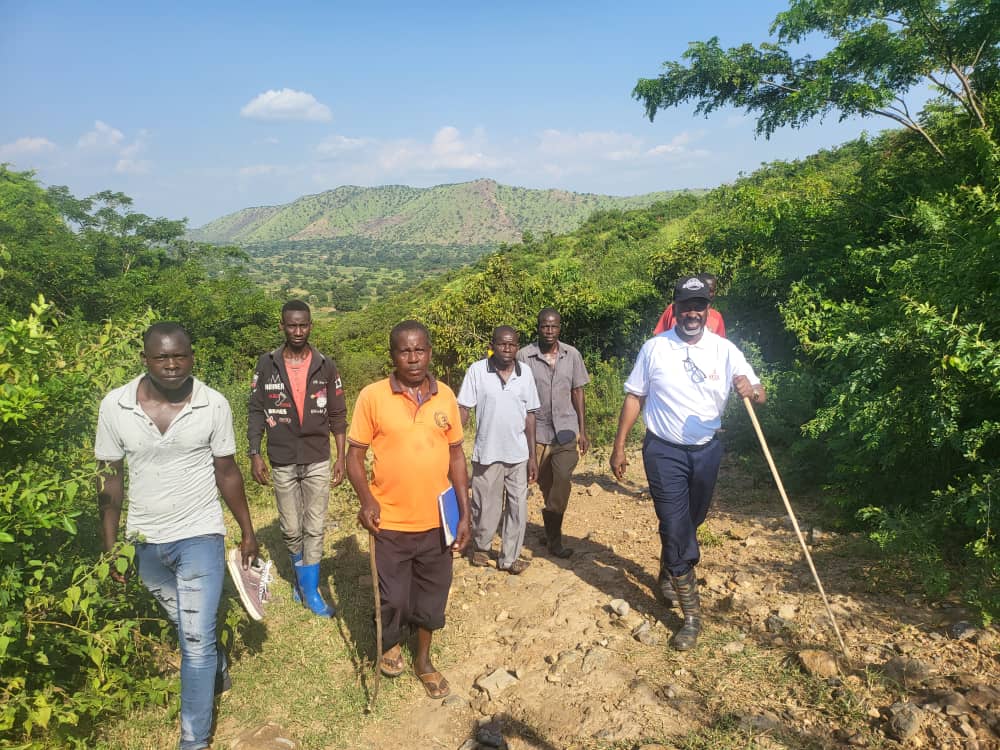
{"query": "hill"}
{"type": "Point", "coordinates": [481, 212]}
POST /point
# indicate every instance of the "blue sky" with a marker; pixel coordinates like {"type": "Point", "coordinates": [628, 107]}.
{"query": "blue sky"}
{"type": "Point", "coordinates": [199, 109]}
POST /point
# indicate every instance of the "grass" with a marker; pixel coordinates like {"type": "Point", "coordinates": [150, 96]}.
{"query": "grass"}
{"type": "Point", "coordinates": [311, 676]}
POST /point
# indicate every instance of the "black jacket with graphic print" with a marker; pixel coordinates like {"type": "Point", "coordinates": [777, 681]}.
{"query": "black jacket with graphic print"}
{"type": "Point", "coordinates": [271, 407]}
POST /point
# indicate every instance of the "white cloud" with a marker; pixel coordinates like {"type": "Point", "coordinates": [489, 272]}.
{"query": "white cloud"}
{"type": "Point", "coordinates": [30, 146]}
{"type": "Point", "coordinates": [335, 145]}
{"type": "Point", "coordinates": [102, 136]}
{"type": "Point", "coordinates": [133, 166]}
{"type": "Point", "coordinates": [286, 104]}
{"type": "Point", "coordinates": [129, 156]}
{"type": "Point", "coordinates": [447, 150]}
{"type": "Point", "coordinates": [678, 146]}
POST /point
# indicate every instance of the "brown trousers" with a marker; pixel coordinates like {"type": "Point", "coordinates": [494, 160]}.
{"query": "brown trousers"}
{"type": "Point", "coordinates": [414, 578]}
{"type": "Point", "coordinates": [555, 472]}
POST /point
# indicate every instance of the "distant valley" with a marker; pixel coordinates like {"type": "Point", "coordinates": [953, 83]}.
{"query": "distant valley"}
{"type": "Point", "coordinates": [342, 248]}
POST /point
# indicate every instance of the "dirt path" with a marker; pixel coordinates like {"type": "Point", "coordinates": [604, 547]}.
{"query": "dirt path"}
{"type": "Point", "coordinates": [568, 673]}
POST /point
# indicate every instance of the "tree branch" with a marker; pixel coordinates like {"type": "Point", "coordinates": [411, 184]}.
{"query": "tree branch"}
{"type": "Point", "coordinates": [970, 95]}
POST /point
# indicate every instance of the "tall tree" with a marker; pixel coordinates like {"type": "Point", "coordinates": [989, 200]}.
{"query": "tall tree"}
{"type": "Point", "coordinates": [883, 49]}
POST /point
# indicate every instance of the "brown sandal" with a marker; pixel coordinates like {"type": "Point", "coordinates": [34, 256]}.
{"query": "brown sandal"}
{"type": "Point", "coordinates": [435, 684]}
{"type": "Point", "coordinates": [392, 664]}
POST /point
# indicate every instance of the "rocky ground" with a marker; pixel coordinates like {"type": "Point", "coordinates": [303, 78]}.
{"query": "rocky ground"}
{"type": "Point", "coordinates": [574, 653]}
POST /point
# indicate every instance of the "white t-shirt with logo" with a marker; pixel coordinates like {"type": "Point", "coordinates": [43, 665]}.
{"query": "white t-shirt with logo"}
{"type": "Point", "coordinates": [686, 385]}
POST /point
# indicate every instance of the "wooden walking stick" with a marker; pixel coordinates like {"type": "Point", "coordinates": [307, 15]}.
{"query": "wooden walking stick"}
{"type": "Point", "coordinates": [378, 622]}
{"type": "Point", "coordinates": [795, 523]}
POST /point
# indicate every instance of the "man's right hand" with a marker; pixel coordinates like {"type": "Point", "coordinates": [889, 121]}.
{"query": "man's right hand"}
{"type": "Point", "coordinates": [369, 515]}
{"type": "Point", "coordinates": [618, 462]}
{"type": "Point", "coordinates": [258, 470]}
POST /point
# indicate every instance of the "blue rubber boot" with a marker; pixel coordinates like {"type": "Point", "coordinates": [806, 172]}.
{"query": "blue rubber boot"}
{"type": "Point", "coordinates": [296, 558]}
{"type": "Point", "coordinates": [308, 577]}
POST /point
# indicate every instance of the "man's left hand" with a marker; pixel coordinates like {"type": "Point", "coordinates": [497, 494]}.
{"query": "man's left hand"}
{"type": "Point", "coordinates": [462, 536]}
{"type": "Point", "coordinates": [339, 471]}
{"type": "Point", "coordinates": [532, 470]}
{"type": "Point", "coordinates": [582, 442]}
{"type": "Point", "coordinates": [248, 549]}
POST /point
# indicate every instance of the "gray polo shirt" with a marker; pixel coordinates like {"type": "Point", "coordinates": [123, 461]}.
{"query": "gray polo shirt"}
{"type": "Point", "coordinates": [556, 421]}
{"type": "Point", "coordinates": [171, 477]}
{"type": "Point", "coordinates": [500, 411]}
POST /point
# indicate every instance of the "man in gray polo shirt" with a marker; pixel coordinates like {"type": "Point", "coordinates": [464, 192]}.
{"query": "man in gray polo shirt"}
{"type": "Point", "coordinates": [505, 399]}
{"type": "Point", "coordinates": [176, 435]}
{"type": "Point", "coordinates": [560, 427]}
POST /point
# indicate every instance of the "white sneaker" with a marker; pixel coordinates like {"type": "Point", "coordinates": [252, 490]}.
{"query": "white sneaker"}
{"type": "Point", "coordinates": [252, 583]}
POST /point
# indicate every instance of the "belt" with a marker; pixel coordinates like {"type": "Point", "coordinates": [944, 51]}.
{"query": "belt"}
{"type": "Point", "coordinates": [681, 447]}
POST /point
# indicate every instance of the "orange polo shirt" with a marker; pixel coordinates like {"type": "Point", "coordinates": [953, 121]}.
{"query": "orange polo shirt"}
{"type": "Point", "coordinates": [410, 446]}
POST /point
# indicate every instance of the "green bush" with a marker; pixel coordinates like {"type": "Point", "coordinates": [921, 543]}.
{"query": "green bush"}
{"type": "Point", "coordinates": [73, 644]}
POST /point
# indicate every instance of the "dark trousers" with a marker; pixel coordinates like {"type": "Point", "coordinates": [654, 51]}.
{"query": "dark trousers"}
{"type": "Point", "coordinates": [414, 578]}
{"type": "Point", "coordinates": [681, 481]}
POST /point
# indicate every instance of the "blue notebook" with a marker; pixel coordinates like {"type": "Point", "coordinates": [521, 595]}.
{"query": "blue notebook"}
{"type": "Point", "coordinates": [448, 508]}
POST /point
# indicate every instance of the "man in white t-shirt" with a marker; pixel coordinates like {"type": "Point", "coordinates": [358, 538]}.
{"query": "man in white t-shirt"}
{"type": "Point", "coordinates": [503, 393]}
{"type": "Point", "coordinates": [176, 435]}
{"type": "Point", "coordinates": [680, 383]}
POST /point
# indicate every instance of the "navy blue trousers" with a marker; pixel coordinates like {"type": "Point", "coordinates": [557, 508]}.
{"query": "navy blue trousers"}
{"type": "Point", "coordinates": [681, 483]}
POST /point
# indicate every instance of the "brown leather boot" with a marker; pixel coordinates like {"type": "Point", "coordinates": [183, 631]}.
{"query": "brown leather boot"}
{"type": "Point", "coordinates": [686, 586]}
{"type": "Point", "coordinates": [553, 534]}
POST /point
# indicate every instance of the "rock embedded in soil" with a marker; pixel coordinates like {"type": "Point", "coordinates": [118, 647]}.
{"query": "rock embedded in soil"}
{"type": "Point", "coordinates": [962, 631]}
{"type": "Point", "coordinates": [906, 671]}
{"type": "Point", "coordinates": [455, 701]}
{"type": "Point", "coordinates": [985, 638]}
{"type": "Point", "coordinates": [818, 663]}
{"type": "Point", "coordinates": [983, 696]}
{"type": "Point", "coordinates": [905, 720]}
{"type": "Point", "coordinates": [787, 612]}
{"type": "Point", "coordinates": [496, 682]}
{"type": "Point", "coordinates": [954, 704]}
{"type": "Point", "coordinates": [489, 734]}
{"type": "Point", "coordinates": [774, 624]}
{"type": "Point", "coordinates": [619, 606]}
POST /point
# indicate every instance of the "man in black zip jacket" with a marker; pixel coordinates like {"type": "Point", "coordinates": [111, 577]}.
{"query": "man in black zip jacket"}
{"type": "Point", "coordinates": [297, 396]}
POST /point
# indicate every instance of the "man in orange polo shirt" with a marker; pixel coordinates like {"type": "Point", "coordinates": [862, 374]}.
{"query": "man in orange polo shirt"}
{"type": "Point", "coordinates": [412, 425]}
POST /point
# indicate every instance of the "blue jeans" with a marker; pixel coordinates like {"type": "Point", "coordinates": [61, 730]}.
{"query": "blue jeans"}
{"type": "Point", "coordinates": [186, 578]}
{"type": "Point", "coordinates": [681, 483]}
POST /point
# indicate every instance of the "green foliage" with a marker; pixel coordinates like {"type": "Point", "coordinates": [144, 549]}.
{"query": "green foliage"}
{"type": "Point", "coordinates": [881, 49]}
{"type": "Point", "coordinates": [79, 279]}
{"type": "Point", "coordinates": [869, 282]}
{"type": "Point", "coordinates": [593, 276]}
{"type": "Point", "coordinates": [347, 273]}
{"type": "Point", "coordinates": [604, 400]}
{"type": "Point", "coordinates": [119, 264]}
{"type": "Point", "coordinates": [72, 645]}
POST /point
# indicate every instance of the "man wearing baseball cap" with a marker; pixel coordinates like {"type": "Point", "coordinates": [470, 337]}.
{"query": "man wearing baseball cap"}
{"type": "Point", "coordinates": [680, 383]}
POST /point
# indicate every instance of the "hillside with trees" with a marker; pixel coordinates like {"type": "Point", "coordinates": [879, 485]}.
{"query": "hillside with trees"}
{"type": "Point", "coordinates": [344, 248]}
{"type": "Point", "coordinates": [481, 212]}
{"type": "Point", "coordinates": [863, 282]}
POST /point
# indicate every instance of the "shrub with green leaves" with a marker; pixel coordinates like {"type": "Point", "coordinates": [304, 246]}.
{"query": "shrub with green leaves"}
{"type": "Point", "coordinates": [72, 643]}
